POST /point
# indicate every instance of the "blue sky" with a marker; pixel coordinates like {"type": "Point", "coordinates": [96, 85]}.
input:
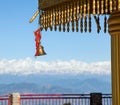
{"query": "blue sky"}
{"type": "Point", "coordinates": [17, 39]}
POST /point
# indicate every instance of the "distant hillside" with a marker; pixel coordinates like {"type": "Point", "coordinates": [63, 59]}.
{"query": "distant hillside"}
{"type": "Point", "coordinates": [55, 84]}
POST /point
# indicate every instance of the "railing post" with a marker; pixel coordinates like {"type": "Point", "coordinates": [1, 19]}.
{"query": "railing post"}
{"type": "Point", "coordinates": [96, 99]}
{"type": "Point", "coordinates": [14, 99]}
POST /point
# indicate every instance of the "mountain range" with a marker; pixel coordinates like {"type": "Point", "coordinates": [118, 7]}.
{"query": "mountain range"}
{"type": "Point", "coordinates": [55, 83]}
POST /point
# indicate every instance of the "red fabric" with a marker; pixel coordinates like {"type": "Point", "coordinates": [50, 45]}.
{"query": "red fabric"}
{"type": "Point", "coordinates": [37, 40]}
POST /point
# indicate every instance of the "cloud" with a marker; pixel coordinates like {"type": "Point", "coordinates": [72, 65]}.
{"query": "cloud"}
{"type": "Point", "coordinates": [29, 66]}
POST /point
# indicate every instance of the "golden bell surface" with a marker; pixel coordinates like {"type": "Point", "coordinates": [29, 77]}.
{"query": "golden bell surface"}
{"type": "Point", "coordinates": [41, 51]}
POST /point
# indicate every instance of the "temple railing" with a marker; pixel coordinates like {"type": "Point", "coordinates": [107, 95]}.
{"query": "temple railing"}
{"type": "Point", "coordinates": [57, 99]}
{"type": "Point", "coordinates": [66, 99]}
{"type": "Point", "coordinates": [4, 100]}
{"type": "Point", "coordinates": [106, 99]}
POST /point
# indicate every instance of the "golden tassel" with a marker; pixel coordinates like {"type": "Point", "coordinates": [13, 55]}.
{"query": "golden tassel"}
{"type": "Point", "coordinates": [64, 17]}
{"type": "Point", "coordinates": [68, 17]}
{"type": "Point", "coordinates": [85, 17]}
{"type": "Point", "coordinates": [81, 16]}
{"type": "Point", "coordinates": [66, 13]}
{"type": "Point", "coordinates": [102, 6]}
{"type": "Point", "coordinates": [41, 21]}
{"type": "Point", "coordinates": [77, 15]}
{"type": "Point", "coordinates": [115, 5]}
{"type": "Point", "coordinates": [90, 20]}
{"type": "Point", "coordinates": [48, 19]}
{"type": "Point", "coordinates": [75, 10]}
{"type": "Point", "coordinates": [94, 11]}
{"type": "Point", "coordinates": [51, 19]}
{"type": "Point", "coordinates": [78, 9]}
{"type": "Point", "coordinates": [60, 16]}
{"type": "Point", "coordinates": [89, 23]}
{"type": "Point", "coordinates": [57, 17]}
{"type": "Point", "coordinates": [111, 6]}
{"type": "Point", "coordinates": [106, 6]}
{"type": "Point", "coordinates": [45, 21]}
{"type": "Point", "coordinates": [54, 22]}
{"type": "Point", "coordinates": [98, 7]}
{"type": "Point", "coordinates": [62, 13]}
{"type": "Point", "coordinates": [55, 27]}
{"type": "Point", "coordinates": [71, 11]}
{"type": "Point", "coordinates": [72, 17]}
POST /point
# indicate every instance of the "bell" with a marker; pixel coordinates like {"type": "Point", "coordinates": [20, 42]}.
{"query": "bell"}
{"type": "Point", "coordinates": [41, 51]}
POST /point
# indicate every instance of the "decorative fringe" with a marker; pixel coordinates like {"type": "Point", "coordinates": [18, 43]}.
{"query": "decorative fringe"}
{"type": "Point", "coordinates": [78, 13]}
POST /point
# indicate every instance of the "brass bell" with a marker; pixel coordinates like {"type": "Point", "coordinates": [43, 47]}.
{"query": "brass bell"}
{"type": "Point", "coordinates": [41, 51]}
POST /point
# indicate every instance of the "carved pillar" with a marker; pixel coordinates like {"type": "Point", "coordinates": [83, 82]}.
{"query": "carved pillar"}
{"type": "Point", "coordinates": [114, 30]}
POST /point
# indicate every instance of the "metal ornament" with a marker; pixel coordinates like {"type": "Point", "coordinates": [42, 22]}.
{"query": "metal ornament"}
{"type": "Point", "coordinates": [41, 51]}
{"type": "Point", "coordinates": [39, 48]}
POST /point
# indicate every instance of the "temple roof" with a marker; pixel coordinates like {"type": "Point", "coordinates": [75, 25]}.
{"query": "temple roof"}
{"type": "Point", "coordinates": [43, 4]}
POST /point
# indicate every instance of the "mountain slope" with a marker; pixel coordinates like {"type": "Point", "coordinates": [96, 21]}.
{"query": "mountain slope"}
{"type": "Point", "coordinates": [55, 84]}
